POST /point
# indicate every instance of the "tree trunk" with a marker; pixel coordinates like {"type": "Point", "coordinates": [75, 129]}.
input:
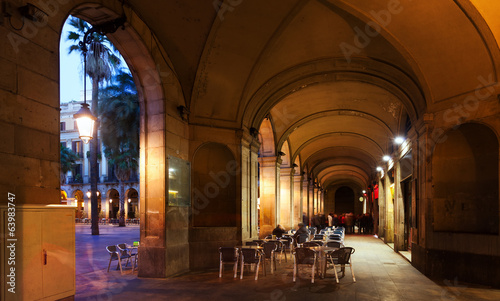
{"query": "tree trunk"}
{"type": "Point", "coordinates": [121, 221]}
{"type": "Point", "coordinates": [94, 173]}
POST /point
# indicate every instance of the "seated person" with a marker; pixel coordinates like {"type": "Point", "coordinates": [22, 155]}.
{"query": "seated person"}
{"type": "Point", "coordinates": [279, 231]}
{"type": "Point", "coordinates": [302, 232]}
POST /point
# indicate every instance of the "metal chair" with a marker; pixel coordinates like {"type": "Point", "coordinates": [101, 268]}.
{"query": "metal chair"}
{"type": "Point", "coordinates": [335, 237]}
{"type": "Point", "coordinates": [228, 255]}
{"type": "Point", "coordinates": [287, 245]}
{"type": "Point", "coordinates": [251, 257]}
{"type": "Point", "coordinates": [115, 254]}
{"type": "Point", "coordinates": [318, 237]}
{"type": "Point", "coordinates": [312, 231]}
{"type": "Point", "coordinates": [304, 256]}
{"type": "Point", "coordinates": [334, 244]}
{"type": "Point", "coordinates": [270, 248]}
{"type": "Point", "coordinates": [341, 257]}
{"type": "Point", "coordinates": [124, 250]}
{"type": "Point", "coordinates": [308, 244]}
{"type": "Point", "coordinates": [302, 238]}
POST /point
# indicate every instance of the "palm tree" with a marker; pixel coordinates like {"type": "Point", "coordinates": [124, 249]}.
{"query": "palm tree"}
{"type": "Point", "coordinates": [119, 114]}
{"type": "Point", "coordinates": [68, 159]}
{"type": "Point", "coordinates": [101, 62]}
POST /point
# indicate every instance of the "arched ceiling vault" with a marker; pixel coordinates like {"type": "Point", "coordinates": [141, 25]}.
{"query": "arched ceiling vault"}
{"type": "Point", "coordinates": [343, 170]}
{"type": "Point", "coordinates": [336, 79]}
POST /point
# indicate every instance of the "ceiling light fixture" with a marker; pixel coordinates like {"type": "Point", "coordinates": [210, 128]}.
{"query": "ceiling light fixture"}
{"type": "Point", "coordinates": [399, 140]}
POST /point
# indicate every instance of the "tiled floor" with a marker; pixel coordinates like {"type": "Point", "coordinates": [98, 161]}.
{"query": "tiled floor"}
{"type": "Point", "coordinates": [381, 274]}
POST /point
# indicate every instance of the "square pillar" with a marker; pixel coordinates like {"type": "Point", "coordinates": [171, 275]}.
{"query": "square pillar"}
{"type": "Point", "coordinates": [286, 204]}
{"type": "Point", "coordinates": [269, 195]}
{"type": "Point", "coordinates": [297, 199]}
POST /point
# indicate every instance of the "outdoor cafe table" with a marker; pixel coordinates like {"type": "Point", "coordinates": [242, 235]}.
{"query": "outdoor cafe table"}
{"type": "Point", "coordinates": [322, 251]}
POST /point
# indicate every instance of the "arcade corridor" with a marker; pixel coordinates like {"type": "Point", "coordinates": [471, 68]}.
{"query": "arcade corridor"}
{"type": "Point", "coordinates": [259, 113]}
{"type": "Point", "coordinates": [380, 274]}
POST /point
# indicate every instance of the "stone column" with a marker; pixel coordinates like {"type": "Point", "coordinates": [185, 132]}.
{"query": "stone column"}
{"type": "Point", "coordinates": [105, 206]}
{"type": "Point", "coordinates": [246, 206]}
{"type": "Point", "coordinates": [254, 190]}
{"type": "Point", "coordinates": [305, 197]}
{"type": "Point", "coordinates": [382, 200]}
{"type": "Point", "coordinates": [389, 212]}
{"type": "Point", "coordinates": [321, 201]}
{"type": "Point", "coordinates": [249, 166]}
{"type": "Point", "coordinates": [399, 210]}
{"type": "Point", "coordinates": [286, 204]}
{"type": "Point", "coordinates": [87, 206]}
{"type": "Point", "coordinates": [269, 195]}
{"type": "Point", "coordinates": [297, 199]}
{"type": "Point", "coordinates": [311, 201]}
{"type": "Point", "coordinates": [316, 201]}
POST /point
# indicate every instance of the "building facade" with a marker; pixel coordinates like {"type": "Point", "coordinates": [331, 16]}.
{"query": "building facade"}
{"type": "Point", "coordinates": [76, 186]}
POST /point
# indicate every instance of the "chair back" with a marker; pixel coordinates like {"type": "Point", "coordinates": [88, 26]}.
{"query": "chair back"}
{"type": "Point", "coordinates": [305, 256]}
{"type": "Point", "coordinates": [280, 244]}
{"type": "Point", "coordinates": [123, 250]}
{"type": "Point", "coordinates": [334, 237]}
{"type": "Point", "coordinates": [308, 244]}
{"type": "Point", "coordinates": [302, 238]}
{"type": "Point", "coordinates": [259, 241]}
{"type": "Point", "coordinates": [228, 254]}
{"type": "Point", "coordinates": [269, 248]}
{"type": "Point", "coordinates": [334, 244]}
{"type": "Point", "coordinates": [287, 241]}
{"type": "Point", "coordinates": [312, 230]}
{"type": "Point", "coordinates": [318, 237]}
{"type": "Point", "coordinates": [249, 255]}
{"type": "Point", "coordinates": [343, 255]}
{"type": "Point", "coordinates": [111, 249]}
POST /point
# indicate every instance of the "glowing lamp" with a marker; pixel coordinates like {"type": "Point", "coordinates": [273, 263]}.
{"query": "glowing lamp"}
{"type": "Point", "coordinates": [85, 122]}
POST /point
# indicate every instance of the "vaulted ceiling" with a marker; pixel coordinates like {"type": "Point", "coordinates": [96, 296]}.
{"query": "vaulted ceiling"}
{"type": "Point", "coordinates": [335, 80]}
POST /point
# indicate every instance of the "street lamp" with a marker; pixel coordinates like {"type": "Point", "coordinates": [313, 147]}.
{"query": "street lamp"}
{"type": "Point", "coordinates": [86, 121]}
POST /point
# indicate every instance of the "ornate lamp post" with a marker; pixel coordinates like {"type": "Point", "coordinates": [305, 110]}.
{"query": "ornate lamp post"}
{"type": "Point", "coordinates": [86, 122]}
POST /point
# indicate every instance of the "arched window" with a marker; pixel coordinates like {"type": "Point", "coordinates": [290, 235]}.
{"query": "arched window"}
{"type": "Point", "coordinates": [465, 181]}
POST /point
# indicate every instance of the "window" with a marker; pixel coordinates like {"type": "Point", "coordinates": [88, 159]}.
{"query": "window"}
{"type": "Point", "coordinates": [63, 126]}
{"type": "Point", "coordinates": [77, 147]}
{"type": "Point", "coordinates": [77, 174]}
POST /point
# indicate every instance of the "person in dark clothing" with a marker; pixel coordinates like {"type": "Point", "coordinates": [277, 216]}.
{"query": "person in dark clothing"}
{"type": "Point", "coordinates": [279, 231]}
{"type": "Point", "coordinates": [301, 234]}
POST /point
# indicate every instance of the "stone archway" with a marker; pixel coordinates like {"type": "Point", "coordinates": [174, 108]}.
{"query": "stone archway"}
{"type": "Point", "coordinates": [150, 67]}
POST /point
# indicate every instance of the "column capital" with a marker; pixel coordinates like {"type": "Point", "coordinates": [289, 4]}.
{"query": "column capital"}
{"type": "Point", "coordinates": [267, 161]}
{"type": "Point", "coordinates": [286, 171]}
{"type": "Point", "coordinates": [248, 140]}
